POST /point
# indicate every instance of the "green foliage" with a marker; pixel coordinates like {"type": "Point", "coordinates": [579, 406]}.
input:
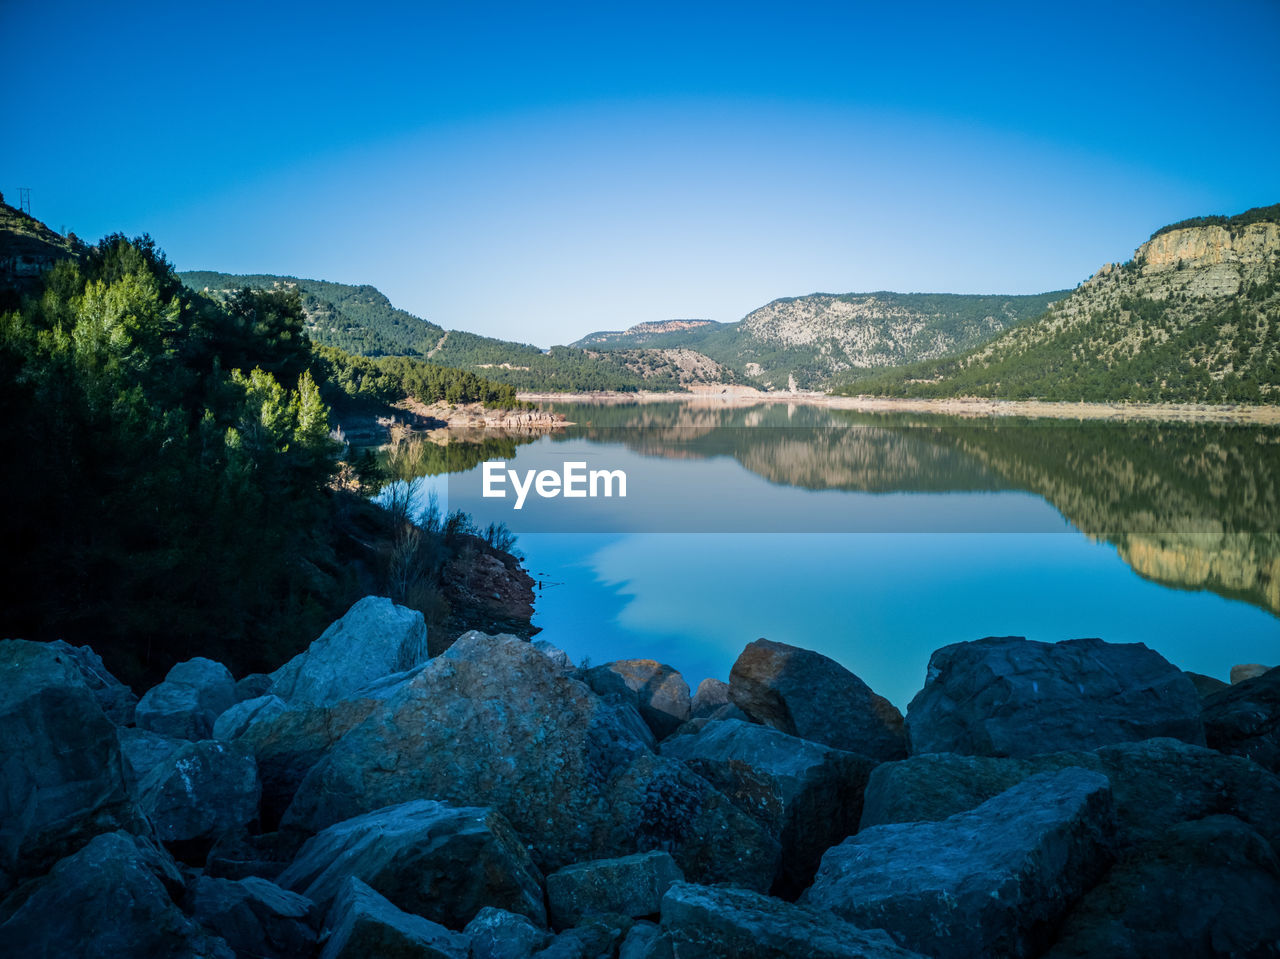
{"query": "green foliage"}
{"type": "Point", "coordinates": [387, 379]}
{"type": "Point", "coordinates": [1258, 214]}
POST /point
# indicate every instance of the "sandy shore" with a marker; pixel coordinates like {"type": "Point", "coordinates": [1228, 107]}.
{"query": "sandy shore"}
{"type": "Point", "coordinates": [968, 406]}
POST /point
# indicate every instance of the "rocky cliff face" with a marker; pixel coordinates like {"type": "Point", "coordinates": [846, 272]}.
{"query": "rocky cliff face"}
{"type": "Point", "coordinates": [641, 331]}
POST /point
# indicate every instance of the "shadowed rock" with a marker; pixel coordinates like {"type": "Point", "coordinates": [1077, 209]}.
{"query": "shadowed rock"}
{"type": "Point", "coordinates": [116, 699]}
{"type": "Point", "coordinates": [373, 639]}
{"type": "Point", "coordinates": [1007, 696]}
{"type": "Point", "coordinates": [254, 917]}
{"type": "Point", "coordinates": [1244, 720]}
{"type": "Point", "coordinates": [63, 774]}
{"type": "Point", "coordinates": [710, 696]}
{"type": "Point", "coordinates": [1206, 889]}
{"type": "Point", "coordinates": [201, 791]}
{"type": "Point", "coordinates": [192, 696]}
{"type": "Point", "coordinates": [992, 881]}
{"type": "Point", "coordinates": [806, 795]}
{"type": "Point", "coordinates": [705, 922]}
{"type": "Point", "coordinates": [364, 924]}
{"type": "Point", "coordinates": [442, 862]}
{"type": "Point", "coordinates": [629, 885]}
{"type": "Point", "coordinates": [498, 934]}
{"type": "Point", "coordinates": [659, 692]}
{"type": "Point", "coordinates": [809, 695]}
{"type": "Point", "coordinates": [236, 720]}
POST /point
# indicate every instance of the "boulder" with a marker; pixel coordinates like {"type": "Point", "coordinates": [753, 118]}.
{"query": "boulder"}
{"type": "Point", "coordinates": [629, 885]}
{"type": "Point", "coordinates": [806, 694]}
{"type": "Point", "coordinates": [60, 762]}
{"type": "Point", "coordinates": [253, 686]}
{"type": "Point", "coordinates": [598, 936]}
{"type": "Point", "coordinates": [105, 901]}
{"type": "Point", "coordinates": [1242, 671]}
{"type": "Point", "coordinates": [442, 862]}
{"type": "Point", "coordinates": [254, 917]}
{"type": "Point", "coordinates": [646, 940]}
{"type": "Point", "coordinates": [992, 881]}
{"type": "Point", "coordinates": [1205, 889]}
{"type": "Point", "coordinates": [143, 751]}
{"type": "Point", "coordinates": [1205, 685]}
{"type": "Point", "coordinates": [661, 694]}
{"type": "Point", "coordinates": [364, 924]}
{"type": "Point", "coordinates": [192, 696]}
{"type": "Point", "coordinates": [1007, 696]}
{"type": "Point", "coordinates": [1244, 720]}
{"type": "Point", "coordinates": [237, 720]}
{"type": "Point", "coordinates": [493, 718]}
{"type": "Point", "coordinates": [116, 699]}
{"type": "Point", "coordinates": [373, 639]}
{"type": "Point", "coordinates": [710, 696]}
{"type": "Point", "coordinates": [1156, 784]}
{"type": "Point", "coordinates": [498, 934]}
{"type": "Point", "coordinates": [719, 922]}
{"type": "Point", "coordinates": [241, 854]}
{"type": "Point", "coordinates": [204, 790]}
{"type": "Point", "coordinates": [287, 745]}
{"type": "Point", "coordinates": [808, 796]}
{"type": "Point", "coordinates": [554, 653]}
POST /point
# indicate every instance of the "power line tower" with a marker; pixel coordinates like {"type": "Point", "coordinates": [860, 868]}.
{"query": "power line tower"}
{"type": "Point", "coordinates": [24, 199]}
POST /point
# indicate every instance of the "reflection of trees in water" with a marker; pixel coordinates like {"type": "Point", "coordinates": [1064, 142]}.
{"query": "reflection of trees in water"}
{"type": "Point", "coordinates": [409, 458]}
{"type": "Point", "coordinates": [1188, 505]}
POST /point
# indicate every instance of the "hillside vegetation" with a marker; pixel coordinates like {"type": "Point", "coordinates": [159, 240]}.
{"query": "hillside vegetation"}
{"type": "Point", "coordinates": [1193, 317]}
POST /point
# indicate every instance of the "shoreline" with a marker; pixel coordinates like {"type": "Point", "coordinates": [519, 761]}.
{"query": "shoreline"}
{"type": "Point", "coordinates": [962, 407]}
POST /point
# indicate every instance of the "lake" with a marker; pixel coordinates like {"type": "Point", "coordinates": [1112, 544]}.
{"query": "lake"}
{"type": "Point", "coordinates": [876, 539]}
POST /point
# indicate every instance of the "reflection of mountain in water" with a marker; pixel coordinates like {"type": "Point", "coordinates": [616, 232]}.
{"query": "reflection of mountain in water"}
{"type": "Point", "coordinates": [1193, 506]}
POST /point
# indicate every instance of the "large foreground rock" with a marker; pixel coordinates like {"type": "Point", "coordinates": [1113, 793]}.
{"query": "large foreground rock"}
{"type": "Point", "coordinates": [1156, 784]}
{"type": "Point", "coordinates": [441, 862]}
{"type": "Point", "coordinates": [991, 882]}
{"type": "Point", "coordinates": [806, 694]}
{"type": "Point", "coordinates": [365, 925]}
{"type": "Point", "coordinates": [807, 795]}
{"type": "Point", "coordinates": [254, 917]}
{"type": "Point", "coordinates": [1244, 720]}
{"type": "Point", "coordinates": [201, 791]}
{"type": "Point", "coordinates": [105, 901]}
{"type": "Point", "coordinates": [722, 923]}
{"type": "Point", "coordinates": [1007, 696]}
{"type": "Point", "coordinates": [498, 934]}
{"type": "Point", "coordinates": [1207, 889]}
{"type": "Point", "coordinates": [194, 693]}
{"type": "Point", "coordinates": [64, 780]}
{"type": "Point", "coordinates": [629, 885]}
{"type": "Point", "coordinates": [373, 639]}
{"type": "Point", "coordinates": [659, 692]}
{"type": "Point", "coordinates": [116, 699]}
{"type": "Point", "coordinates": [494, 720]}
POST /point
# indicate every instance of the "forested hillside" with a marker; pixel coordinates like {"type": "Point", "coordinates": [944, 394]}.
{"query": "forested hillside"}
{"type": "Point", "coordinates": [1193, 317]}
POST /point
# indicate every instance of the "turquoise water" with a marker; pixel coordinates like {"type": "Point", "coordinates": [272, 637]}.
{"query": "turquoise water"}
{"type": "Point", "coordinates": [876, 543]}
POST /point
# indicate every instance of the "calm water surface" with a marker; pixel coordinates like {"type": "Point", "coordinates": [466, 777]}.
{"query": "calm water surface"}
{"type": "Point", "coordinates": [876, 540]}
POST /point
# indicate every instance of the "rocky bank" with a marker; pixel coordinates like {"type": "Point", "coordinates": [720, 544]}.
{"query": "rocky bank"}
{"type": "Point", "coordinates": [369, 798]}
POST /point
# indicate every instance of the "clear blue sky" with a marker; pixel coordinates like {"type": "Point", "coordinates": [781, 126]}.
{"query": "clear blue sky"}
{"type": "Point", "coordinates": [537, 171]}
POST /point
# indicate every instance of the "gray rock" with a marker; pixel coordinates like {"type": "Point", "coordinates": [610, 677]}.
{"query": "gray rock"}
{"type": "Point", "coordinates": [1208, 888]}
{"type": "Point", "coordinates": [1006, 696]}
{"type": "Point", "coordinates": [498, 934]}
{"type": "Point", "coordinates": [1156, 784]}
{"type": "Point", "coordinates": [646, 940]}
{"type": "Point", "coordinates": [236, 721]}
{"type": "Point", "coordinates": [240, 854]}
{"type": "Point", "coordinates": [661, 694]}
{"type": "Point", "coordinates": [559, 658]}
{"type": "Point", "coordinates": [629, 885]}
{"type": "Point", "coordinates": [1205, 685]}
{"type": "Point", "coordinates": [597, 936]}
{"type": "Point", "coordinates": [723, 923]}
{"type": "Point", "coordinates": [192, 696]}
{"type": "Point", "coordinates": [253, 686]}
{"type": "Point", "coordinates": [1244, 720]}
{"type": "Point", "coordinates": [809, 695]}
{"type": "Point", "coordinates": [287, 744]}
{"type": "Point", "coordinates": [203, 790]}
{"type": "Point", "coordinates": [992, 881]}
{"type": "Point", "coordinates": [116, 699]}
{"type": "Point", "coordinates": [143, 751]}
{"type": "Point", "coordinates": [439, 861]}
{"type": "Point", "coordinates": [104, 902]}
{"type": "Point", "coordinates": [254, 917]}
{"type": "Point", "coordinates": [364, 924]}
{"type": "Point", "coordinates": [1242, 671]}
{"type": "Point", "coordinates": [64, 778]}
{"type": "Point", "coordinates": [373, 639]}
{"type": "Point", "coordinates": [492, 717]}
{"type": "Point", "coordinates": [709, 697]}
{"type": "Point", "coordinates": [806, 795]}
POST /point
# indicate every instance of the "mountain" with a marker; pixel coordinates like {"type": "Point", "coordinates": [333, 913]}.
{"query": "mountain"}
{"type": "Point", "coordinates": [361, 320]}
{"type": "Point", "coordinates": [805, 341]}
{"type": "Point", "coordinates": [27, 249]}
{"type": "Point", "coordinates": [1193, 317]}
